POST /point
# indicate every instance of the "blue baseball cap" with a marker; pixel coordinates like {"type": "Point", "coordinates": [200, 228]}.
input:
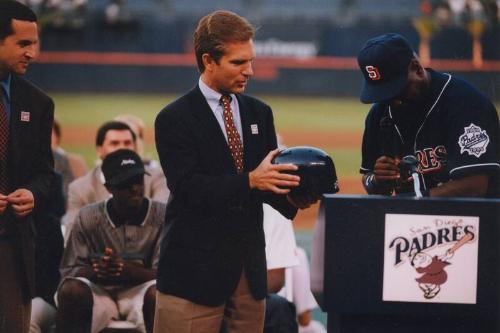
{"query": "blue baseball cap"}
{"type": "Point", "coordinates": [384, 62]}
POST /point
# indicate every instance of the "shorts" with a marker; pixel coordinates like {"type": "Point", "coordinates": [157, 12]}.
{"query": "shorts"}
{"type": "Point", "coordinates": [127, 304]}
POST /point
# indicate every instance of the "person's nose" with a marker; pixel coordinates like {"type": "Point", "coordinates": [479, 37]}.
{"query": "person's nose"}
{"type": "Point", "coordinates": [248, 70]}
{"type": "Point", "coordinates": [136, 188]}
{"type": "Point", "coordinates": [32, 51]}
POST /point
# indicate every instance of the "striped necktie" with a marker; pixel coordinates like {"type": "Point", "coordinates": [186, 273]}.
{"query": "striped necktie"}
{"type": "Point", "coordinates": [233, 137]}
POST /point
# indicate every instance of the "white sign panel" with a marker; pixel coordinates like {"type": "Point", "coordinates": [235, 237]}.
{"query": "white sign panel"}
{"type": "Point", "coordinates": [430, 258]}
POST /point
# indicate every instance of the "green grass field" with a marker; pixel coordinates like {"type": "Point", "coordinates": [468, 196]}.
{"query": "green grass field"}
{"type": "Point", "coordinates": [83, 113]}
{"type": "Point", "coordinates": [290, 112]}
{"type": "Point", "coordinates": [75, 111]}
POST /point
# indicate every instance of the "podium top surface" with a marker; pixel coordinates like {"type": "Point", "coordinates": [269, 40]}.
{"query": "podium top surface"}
{"type": "Point", "coordinates": [407, 198]}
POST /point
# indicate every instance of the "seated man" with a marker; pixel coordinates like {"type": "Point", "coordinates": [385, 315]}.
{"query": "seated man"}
{"type": "Point", "coordinates": [70, 166]}
{"type": "Point", "coordinates": [287, 279]}
{"type": "Point", "coordinates": [137, 125]}
{"type": "Point", "coordinates": [280, 254]}
{"type": "Point", "coordinates": [90, 188]}
{"type": "Point", "coordinates": [298, 282]}
{"type": "Point", "coordinates": [109, 265]}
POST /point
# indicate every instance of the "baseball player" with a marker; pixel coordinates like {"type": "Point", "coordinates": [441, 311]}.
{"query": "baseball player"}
{"type": "Point", "coordinates": [445, 123]}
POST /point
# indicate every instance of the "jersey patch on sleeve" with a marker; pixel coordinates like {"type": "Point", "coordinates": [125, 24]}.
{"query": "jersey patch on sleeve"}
{"type": "Point", "coordinates": [474, 140]}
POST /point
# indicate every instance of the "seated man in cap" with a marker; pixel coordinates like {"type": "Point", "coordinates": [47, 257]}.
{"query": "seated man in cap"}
{"type": "Point", "coordinates": [109, 265]}
{"type": "Point", "coordinates": [441, 123]}
{"type": "Point", "coordinates": [111, 136]}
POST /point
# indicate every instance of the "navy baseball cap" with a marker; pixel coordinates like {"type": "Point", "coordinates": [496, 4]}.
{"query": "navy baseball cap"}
{"type": "Point", "coordinates": [121, 165]}
{"type": "Point", "coordinates": [384, 62]}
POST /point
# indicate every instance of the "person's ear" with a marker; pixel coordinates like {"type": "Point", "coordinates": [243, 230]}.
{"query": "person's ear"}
{"type": "Point", "coordinates": [208, 62]}
{"type": "Point", "coordinates": [100, 152]}
{"type": "Point", "coordinates": [417, 68]}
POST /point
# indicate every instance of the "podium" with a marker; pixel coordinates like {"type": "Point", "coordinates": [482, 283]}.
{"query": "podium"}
{"type": "Point", "coordinates": [404, 264]}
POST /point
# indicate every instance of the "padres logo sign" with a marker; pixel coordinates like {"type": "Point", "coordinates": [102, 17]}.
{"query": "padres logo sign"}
{"type": "Point", "coordinates": [431, 258]}
{"type": "Point", "coordinates": [373, 73]}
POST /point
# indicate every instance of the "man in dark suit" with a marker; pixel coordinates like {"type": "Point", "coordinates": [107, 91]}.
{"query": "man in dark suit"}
{"type": "Point", "coordinates": [215, 146]}
{"type": "Point", "coordinates": [26, 165]}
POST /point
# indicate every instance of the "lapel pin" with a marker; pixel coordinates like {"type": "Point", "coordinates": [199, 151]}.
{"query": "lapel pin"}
{"type": "Point", "coordinates": [25, 116]}
{"type": "Point", "coordinates": [254, 128]}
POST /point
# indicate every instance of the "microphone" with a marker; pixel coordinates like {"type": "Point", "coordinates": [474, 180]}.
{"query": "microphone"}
{"type": "Point", "coordinates": [409, 167]}
{"type": "Point", "coordinates": [388, 138]}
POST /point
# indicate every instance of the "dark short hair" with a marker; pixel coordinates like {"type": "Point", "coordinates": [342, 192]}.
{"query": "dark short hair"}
{"type": "Point", "coordinates": [9, 10]}
{"type": "Point", "coordinates": [108, 126]}
{"type": "Point", "coordinates": [217, 29]}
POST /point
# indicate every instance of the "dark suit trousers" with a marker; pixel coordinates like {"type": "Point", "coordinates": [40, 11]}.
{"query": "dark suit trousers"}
{"type": "Point", "coordinates": [14, 309]}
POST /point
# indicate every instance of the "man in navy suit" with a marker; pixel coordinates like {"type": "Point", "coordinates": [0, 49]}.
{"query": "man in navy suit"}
{"type": "Point", "coordinates": [215, 146]}
{"type": "Point", "coordinates": [26, 164]}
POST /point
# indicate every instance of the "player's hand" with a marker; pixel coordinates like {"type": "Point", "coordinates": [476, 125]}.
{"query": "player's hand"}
{"type": "Point", "coordinates": [3, 203]}
{"type": "Point", "coordinates": [125, 270]}
{"type": "Point", "coordinates": [269, 177]}
{"type": "Point", "coordinates": [115, 268]}
{"type": "Point", "coordinates": [22, 202]}
{"type": "Point", "coordinates": [386, 169]}
{"type": "Point", "coordinates": [303, 200]}
{"type": "Point", "coordinates": [101, 266]}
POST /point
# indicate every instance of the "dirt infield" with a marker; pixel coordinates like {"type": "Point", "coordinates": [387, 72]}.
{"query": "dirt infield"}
{"type": "Point", "coordinates": [332, 139]}
{"type": "Point", "coordinates": [73, 135]}
{"type": "Point", "coordinates": [77, 135]}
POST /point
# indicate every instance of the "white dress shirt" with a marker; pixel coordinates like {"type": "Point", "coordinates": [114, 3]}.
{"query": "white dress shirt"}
{"type": "Point", "coordinates": [213, 100]}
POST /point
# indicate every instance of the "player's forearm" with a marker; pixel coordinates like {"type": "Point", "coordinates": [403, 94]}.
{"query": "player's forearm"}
{"type": "Point", "coordinates": [275, 280]}
{"type": "Point", "coordinates": [373, 187]}
{"type": "Point", "coordinates": [471, 186]}
{"type": "Point", "coordinates": [86, 272]}
{"type": "Point", "coordinates": [137, 274]}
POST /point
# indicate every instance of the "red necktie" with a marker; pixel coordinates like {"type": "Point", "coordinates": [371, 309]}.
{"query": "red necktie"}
{"type": "Point", "coordinates": [233, 137]}
{"type": "Point", "coordinates": [4, 149]}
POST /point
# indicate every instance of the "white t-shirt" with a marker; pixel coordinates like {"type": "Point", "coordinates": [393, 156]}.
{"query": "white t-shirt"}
{"type": "Point", "coordinates": [280, 240]}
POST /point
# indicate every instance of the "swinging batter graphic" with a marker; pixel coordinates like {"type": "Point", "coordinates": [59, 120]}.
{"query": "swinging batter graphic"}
{"type": "Point", "coordinates": [432, 268]}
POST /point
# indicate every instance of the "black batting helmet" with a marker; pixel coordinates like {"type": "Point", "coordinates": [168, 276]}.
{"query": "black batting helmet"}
{"type": "Point", "coordinates": [315, 169]}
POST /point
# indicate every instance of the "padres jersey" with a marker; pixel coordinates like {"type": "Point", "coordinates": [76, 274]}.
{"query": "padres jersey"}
{"type": "Point", "coordinates": [452, 131]}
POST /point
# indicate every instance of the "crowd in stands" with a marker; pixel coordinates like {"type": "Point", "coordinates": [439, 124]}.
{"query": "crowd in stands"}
{"type": "Point", "coordinates": [73, 13]}
{"type": "Point", "coordinates": [460, 12]}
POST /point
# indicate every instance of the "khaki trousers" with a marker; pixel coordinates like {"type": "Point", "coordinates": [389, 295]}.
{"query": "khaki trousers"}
{"type": "Point", "coordinates": [14, 310]}
{"type": "Point", "coordinates": [240, 314]}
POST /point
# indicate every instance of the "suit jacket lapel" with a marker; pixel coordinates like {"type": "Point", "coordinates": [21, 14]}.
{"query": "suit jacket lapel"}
{"type": "Point", "coordinates": [213, 133]}
{"type": "Point", "coordinates": [16, 106]}
{"type": "Point", "coordinates": [247, 120]}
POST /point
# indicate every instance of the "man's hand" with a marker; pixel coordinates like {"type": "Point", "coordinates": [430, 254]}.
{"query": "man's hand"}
{"type": "Point", "coordinates": [386, 169]}
{"type": "Point", "coordinates": [111, 268]}
{"type": "Point", "coordinates": [268, 176]}
{"type": "Point", "coordinates": [22, 202]}
{"type": "Point", "coordinates": [3, 203]}
{"type": "Point", "coordinates": [303, 200]}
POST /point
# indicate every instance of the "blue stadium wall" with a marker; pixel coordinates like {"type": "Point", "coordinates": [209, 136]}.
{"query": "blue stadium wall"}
{"type": "Point", "coordinates": [174, 37]}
